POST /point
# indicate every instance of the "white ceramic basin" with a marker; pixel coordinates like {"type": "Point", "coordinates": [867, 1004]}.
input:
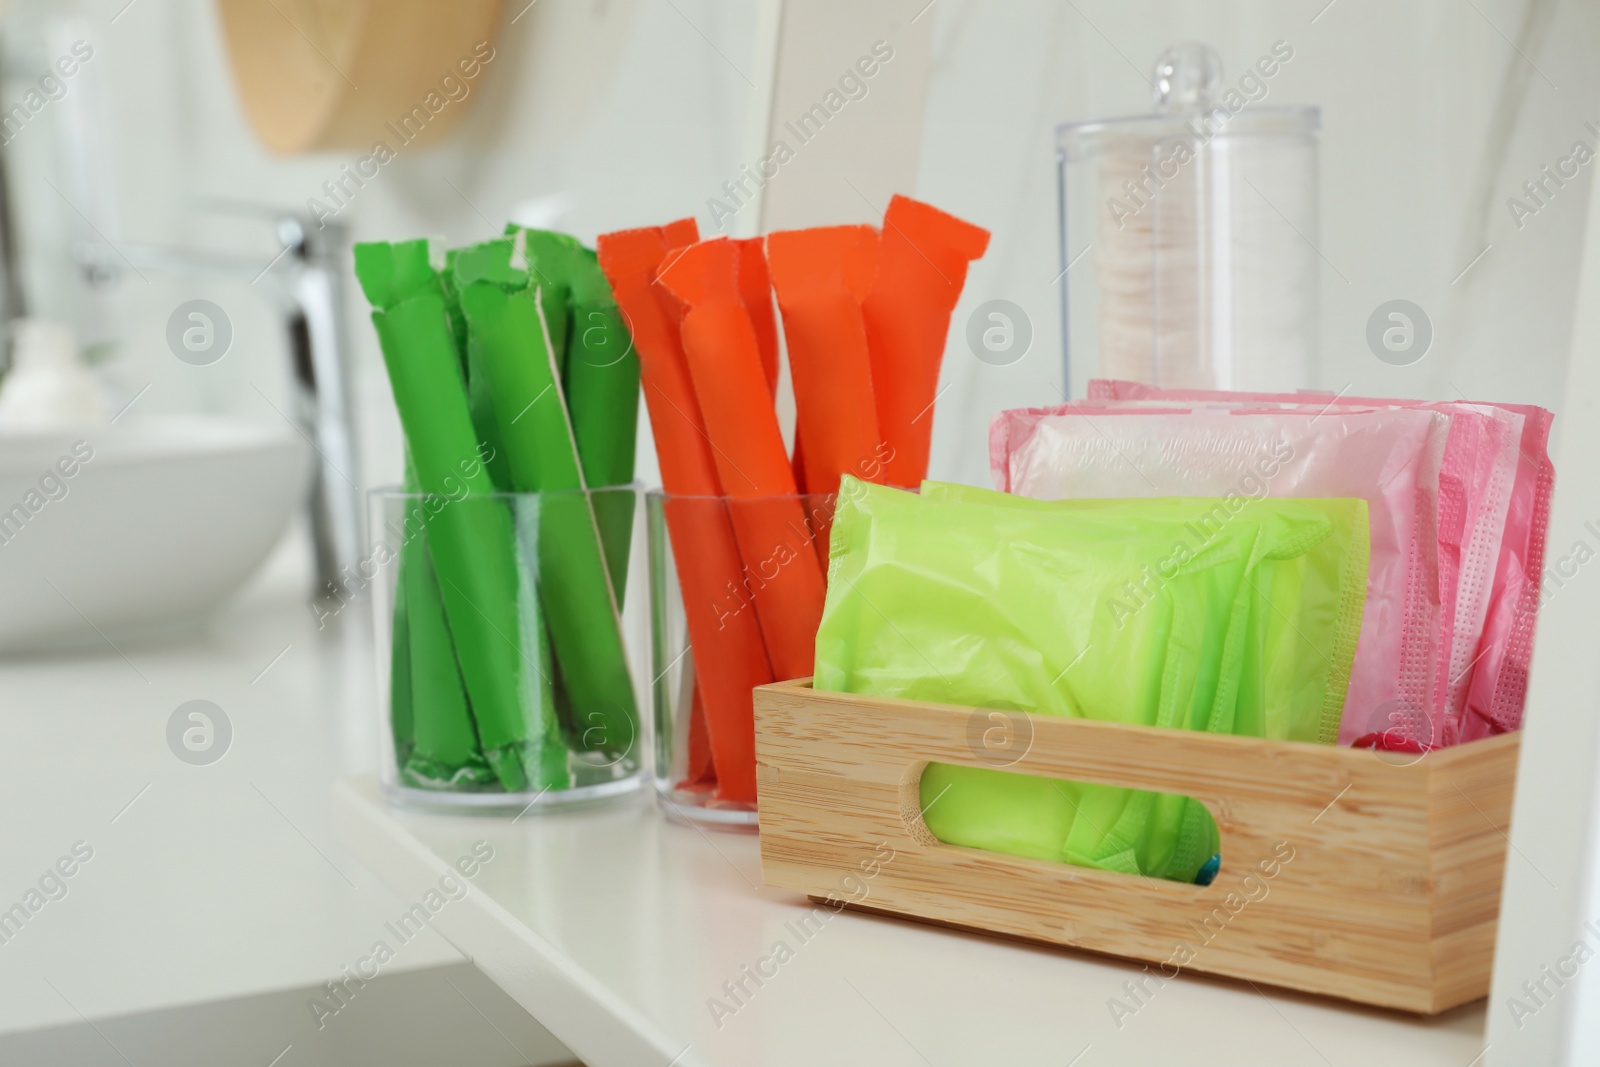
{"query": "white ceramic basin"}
{"type": "Point", "coordinates": [123, 533]}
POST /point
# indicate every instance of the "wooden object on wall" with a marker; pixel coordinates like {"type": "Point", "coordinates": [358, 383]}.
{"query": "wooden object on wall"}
{"type": "Point", "coordinates": [1389, 894]}
{"type": "Point", "coordinates": [319, 75]}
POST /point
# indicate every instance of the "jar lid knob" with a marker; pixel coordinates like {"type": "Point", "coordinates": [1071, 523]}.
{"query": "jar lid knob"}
{"type": "Point", "coordinates": [1186, 78]}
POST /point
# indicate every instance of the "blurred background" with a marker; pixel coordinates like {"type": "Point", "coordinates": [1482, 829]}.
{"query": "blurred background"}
{"type": "Point", "coordinates": [612, 113]}
{"type": "Point", "coordinates": [142, 184]}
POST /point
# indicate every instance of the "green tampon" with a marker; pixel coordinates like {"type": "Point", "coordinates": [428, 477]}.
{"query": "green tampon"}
{"type": "Point", "coordinates": [602, 385]}
{"type": "Point", "coordinates": [504, 318]}
{"type": "Point", "coordinates": [469, 533]}
{"type": "Point", "coordinates": [536, 638]}
{"type": "Point", "coordinates": [442, 749]}
{"type": "Point", "coordinates": [600, 375]}
{"type": "Point", "coordinates": [452, 305]}
{"type": "Point", "coordinates": [479, 400]}
{"type": "Point", "coordinates": [551, 258]}
{"type": "Point", "coordinates": [401, 725]}
{"type": "Point", "coordinates": [447, 754]}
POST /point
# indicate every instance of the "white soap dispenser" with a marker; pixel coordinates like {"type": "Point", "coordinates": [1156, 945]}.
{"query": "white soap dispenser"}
{"type": "Point", "coordinates": [48, 386]}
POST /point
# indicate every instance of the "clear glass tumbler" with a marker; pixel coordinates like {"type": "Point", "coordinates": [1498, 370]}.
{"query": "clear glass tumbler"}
{"type": "Point", "coordinates": [511, 630]}
{"type": "Point", "coordinates": [735, 593]}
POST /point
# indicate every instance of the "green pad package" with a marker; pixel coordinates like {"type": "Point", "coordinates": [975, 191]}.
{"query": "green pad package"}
{"type": "Point", "coordinates": [1311, 580]}
{"type": "Point", "coordinates": [507, 328]}
{"type": "Point", "coordinates": [469, 534]}
{"type": "Point", "coordinates": [1180, 613]}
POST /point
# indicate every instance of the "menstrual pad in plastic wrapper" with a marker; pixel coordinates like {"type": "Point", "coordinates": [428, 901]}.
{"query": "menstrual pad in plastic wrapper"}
{"type": "Point", "coordinates": [1391, 459]}
{"type": "Point", "coordinates": [1496, 516]}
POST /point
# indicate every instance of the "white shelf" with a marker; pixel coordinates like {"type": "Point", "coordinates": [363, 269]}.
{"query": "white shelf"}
{"type": "Point", "coordinates": [207, 883]}
{"type": "Point", "coordinates": [616, 929]}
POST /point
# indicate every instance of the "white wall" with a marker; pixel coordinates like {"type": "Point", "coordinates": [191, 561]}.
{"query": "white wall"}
{"type": "Point", "coordinates": [633, 111]}
{"type": "Point", "coordinates": [1408, 93]}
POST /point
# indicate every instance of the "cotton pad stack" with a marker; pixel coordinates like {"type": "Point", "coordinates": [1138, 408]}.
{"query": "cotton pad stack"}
{"type": "Point", "coordinates": [1459, 496]}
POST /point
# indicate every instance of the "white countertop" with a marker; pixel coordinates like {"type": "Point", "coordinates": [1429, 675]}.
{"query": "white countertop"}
{"type": "Point", "coordinates": [616, 929]}
{"type": "Point", "coordinates": [206, 882]}
{"type": "Point", "coordinates": [613, 927]}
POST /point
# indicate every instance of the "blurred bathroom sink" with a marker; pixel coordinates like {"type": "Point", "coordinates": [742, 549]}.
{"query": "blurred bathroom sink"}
{"type": "Point", "coordinates": [127, 533]}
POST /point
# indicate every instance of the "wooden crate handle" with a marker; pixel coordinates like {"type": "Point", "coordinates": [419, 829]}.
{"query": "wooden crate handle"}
{"type": "Point", "coordinates": [1258, 792]}
{"type": "Point", "coordinates": [1111, 753]}
{"type": "Point", "coordinates": [1215, 796]}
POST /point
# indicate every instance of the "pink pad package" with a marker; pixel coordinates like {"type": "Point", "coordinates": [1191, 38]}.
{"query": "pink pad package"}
{"type": "Point", "coordinates": [1391, 458]}
{"type": "Point", "coordinates": [1494, 510]}
{"type": "Point", "coordinates": [1499, 681]}
{"type": "Point", "coordinates": [1475, 482]}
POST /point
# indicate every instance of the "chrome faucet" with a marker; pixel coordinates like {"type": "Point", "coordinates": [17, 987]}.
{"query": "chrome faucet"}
{"type": "Point", "coordinates": [305, 281]}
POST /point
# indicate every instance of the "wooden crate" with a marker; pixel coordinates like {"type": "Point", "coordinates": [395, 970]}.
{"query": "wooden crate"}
{"type": "Point", "coordinates": [1386, 869]}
